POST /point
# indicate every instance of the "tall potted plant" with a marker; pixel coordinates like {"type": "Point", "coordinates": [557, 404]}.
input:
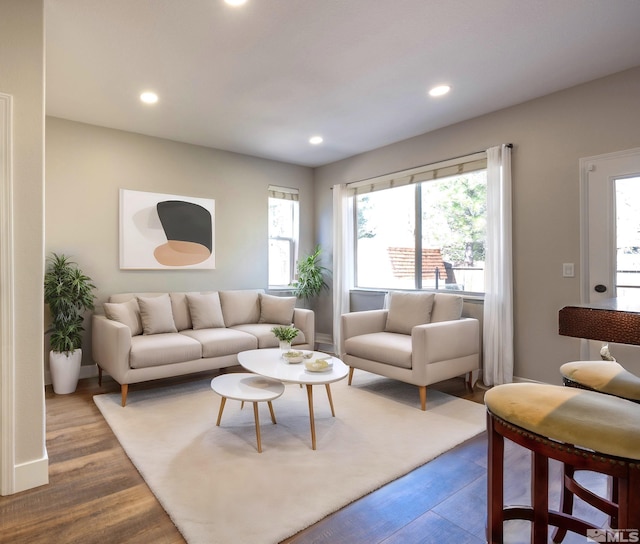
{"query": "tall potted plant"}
{"type": "Point", "coordinates": [310, 276]}
{"type": "Point", "coordinates": [69, 293]}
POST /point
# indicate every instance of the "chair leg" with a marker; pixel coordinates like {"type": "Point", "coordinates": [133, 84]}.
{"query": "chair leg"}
{"type": "Point", "coordinates": [351, 369]}
{"type": "Point", "coordinates": [566, 500]}
{"type": "Point", "coordinates": [124, 388]}
{"type": "Point", "coordinates": [99, 376]}
{"type": "Point", "coordinates": [423, 397]}
{"type": "Point", "coordinates": [495, 484]}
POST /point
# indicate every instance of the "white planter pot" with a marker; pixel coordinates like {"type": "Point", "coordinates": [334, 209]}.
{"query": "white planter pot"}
{"type": "Point", "coordinates": [285, 346]}
{"type": "Point", "coordinates": [65, 371]}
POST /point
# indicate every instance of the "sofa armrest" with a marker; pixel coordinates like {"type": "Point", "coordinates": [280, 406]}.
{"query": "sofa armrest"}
{"type": "Point", "coordinates": [304, 320]}
{"type": "Point", "coordinates": [111, 345]}
{"type": "Point", "coordinates": [445, 340]}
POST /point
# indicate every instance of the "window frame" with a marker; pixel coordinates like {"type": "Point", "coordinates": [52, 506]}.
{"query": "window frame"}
{"type": "Point", "coordinates": [418, 177]}
{"type": "Point", "coordinates": [292, 195]}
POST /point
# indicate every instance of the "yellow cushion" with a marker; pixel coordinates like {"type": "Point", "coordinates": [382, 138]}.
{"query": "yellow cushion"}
{"type": "Point", "coordinates": [603, 376]}
{"type": "Point", "coordinates": [587, 419]}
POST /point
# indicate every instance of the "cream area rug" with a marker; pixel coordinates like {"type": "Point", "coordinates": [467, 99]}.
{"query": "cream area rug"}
{"type": "Point", "coordinates": [218, 489]}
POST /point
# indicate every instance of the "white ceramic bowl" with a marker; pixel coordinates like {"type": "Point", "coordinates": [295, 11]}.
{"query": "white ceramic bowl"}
{"type": "Point", "coordinates": [293, 356]}
{"type": "Point", "coordinates": [318, 365]}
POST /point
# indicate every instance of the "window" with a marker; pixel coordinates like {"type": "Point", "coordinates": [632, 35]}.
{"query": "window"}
{"type": "Point", "coordinates": [424, 228]}
{"type": "Point", "coordinates": [283, 235]}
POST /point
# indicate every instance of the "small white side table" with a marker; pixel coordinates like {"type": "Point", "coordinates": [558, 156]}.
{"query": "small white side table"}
{"type": "Point", "coordinates": [247, 388]}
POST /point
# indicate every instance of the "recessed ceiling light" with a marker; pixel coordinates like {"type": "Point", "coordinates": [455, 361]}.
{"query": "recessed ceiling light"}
{"type": "Point", "coordinates": [440, 90]}
{"type": "Point", "coordinates": [315, 140]}
{"type": "Point", "coordinates": [235, 2]}
{"type": "Point", "coordinates": [148, 97]}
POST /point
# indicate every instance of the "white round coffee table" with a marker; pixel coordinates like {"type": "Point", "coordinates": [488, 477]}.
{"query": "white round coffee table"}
{"type": "Point", "coordinates": [269, 363]}
{"type": "Point", "coordinates": [247, 388]}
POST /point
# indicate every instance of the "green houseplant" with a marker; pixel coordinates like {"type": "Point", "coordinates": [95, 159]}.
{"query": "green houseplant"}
{"type": "Point", "coordinates": [69, 293]}
{"type": "Point", "coordinates": [285, 334]}
{"type": "Point", "coordinates": [310, 276]}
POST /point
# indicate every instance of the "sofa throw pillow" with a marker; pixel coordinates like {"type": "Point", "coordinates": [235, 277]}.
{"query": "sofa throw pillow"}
{"type": "Point", "coordinates": [406, 310]}
{"type": "Point", "coordinates": [206, 312]}
{"type": "Point", "coordinates": [276, 310]}
{"type": "Point", "coordinates": [446, 308]}
{"type": "Point", "coordinates": [180, 310]}
{"type": "Point", "coordinates": [240, 307]}
{"type": "Point", "coordinates": [127, 313]}
{"type": "Point", "coordinates": [156, 314]}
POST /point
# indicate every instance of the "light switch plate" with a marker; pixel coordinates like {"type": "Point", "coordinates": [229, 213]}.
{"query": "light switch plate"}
{"type": "Point", "coordinates": [568, 270]}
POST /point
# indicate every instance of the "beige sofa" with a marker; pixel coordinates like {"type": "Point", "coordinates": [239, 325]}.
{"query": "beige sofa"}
{"type": "Point", "coordinates": [420, 339]}
{"type": "Point", "coordinates": [148, 336]}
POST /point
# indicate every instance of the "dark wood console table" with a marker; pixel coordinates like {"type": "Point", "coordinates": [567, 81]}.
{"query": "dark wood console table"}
{"type": "Point", "coordinates": [612, 320]}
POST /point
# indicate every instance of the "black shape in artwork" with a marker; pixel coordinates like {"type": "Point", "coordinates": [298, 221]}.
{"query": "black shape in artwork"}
{"type": "Point", "coordinates": [186, 222]}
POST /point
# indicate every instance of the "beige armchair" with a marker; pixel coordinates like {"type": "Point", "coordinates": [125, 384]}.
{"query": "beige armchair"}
{"type": "Point", "coordinates": [420, 339]}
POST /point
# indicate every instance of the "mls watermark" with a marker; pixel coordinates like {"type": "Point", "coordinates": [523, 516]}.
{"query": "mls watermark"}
{"type": "Point", "coordinates": [613, 535]}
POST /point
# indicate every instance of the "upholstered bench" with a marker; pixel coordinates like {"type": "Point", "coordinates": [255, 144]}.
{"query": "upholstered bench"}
{"type": "Point", "coordinates": [584, 429]}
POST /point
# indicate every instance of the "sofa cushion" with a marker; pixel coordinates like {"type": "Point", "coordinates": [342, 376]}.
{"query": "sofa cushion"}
{"type": "Point", "coordinates": [127, 313]}
{"type": "Point", "coordinates": [276, 310]}
{"type": "Point", "coordinates": [220, 342]}
{"type": "Point", "coordinates": [384, 347]}
{"type": "Point", "coordinates": [206, 312]}
{"type": "Point", "coordinates": [156, 314]}
{"type": "Point", "coordinates": [406, 310]}
{"type": "Point", "coordinates": [163, 349]}
{"type": "Point", "coordinates": [180, 309]}
{"type": "Point", "coordinates": [266, 339]}
{"type": "Point", "coordinates": [446, 308]}
{"type": "Point", "coordinates": [240, 306]}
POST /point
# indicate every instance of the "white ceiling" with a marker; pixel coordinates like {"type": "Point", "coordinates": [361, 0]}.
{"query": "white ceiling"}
{"type": "Point", "coordinates": [261, 79]}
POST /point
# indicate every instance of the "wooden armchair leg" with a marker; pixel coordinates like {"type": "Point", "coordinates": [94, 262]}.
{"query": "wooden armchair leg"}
{"type": "Point", "coordinates": [124, 388]}
{"type": "Point", "coordinates": [423, 397]}
{"type": "Point", "coordinates": [351, 369]}
{"type": "Point", "coordinates": [99, 376]}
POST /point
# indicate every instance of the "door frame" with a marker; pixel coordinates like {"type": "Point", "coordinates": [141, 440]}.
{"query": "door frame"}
{"type": "Point", "coordinates": [7, 313]}
{"type": "Point", "coordinates": [586, 165]}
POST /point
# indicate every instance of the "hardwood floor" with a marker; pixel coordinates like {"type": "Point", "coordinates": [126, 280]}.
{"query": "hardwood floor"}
{"type": "Point", "coordinates": [96, 495]}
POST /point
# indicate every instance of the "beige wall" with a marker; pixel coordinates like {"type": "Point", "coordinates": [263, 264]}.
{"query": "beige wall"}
{"type": "Point", "coordinates": [550, 135]}
{"type": "Point", "coordinates": [87, 165]}
{"type": "Point", "coordinates": [22, 77]}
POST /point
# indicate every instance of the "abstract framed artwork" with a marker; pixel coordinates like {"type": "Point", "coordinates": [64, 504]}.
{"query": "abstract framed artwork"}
{"type": "Point", "coordinates": [160, 231]}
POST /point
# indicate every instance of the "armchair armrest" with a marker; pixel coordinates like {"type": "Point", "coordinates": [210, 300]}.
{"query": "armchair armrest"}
{"type": "Point", "coordinates": [445, 340]}
{"type": "Point", "coordinates": [304, 320]}
{"type": "Point", "coordinates": [111, 345]}
{"type": "Point", "coordinates": [357, 323]}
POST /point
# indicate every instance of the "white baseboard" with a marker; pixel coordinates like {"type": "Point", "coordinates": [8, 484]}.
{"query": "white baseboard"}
{"type": "Point", "coordinates": [31, 474]}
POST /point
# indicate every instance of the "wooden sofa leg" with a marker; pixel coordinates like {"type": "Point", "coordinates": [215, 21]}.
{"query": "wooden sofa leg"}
{"type": "Point", "coordinates": [423, 397]}
{"type": "Point", "coordinates": [99, 376]}
{"type": "Point", "coordinates": [350, 375]}
{"type": "Point", "coordinates": [469, 381]}
{"type": "Point", "coordinates": [124, 389]}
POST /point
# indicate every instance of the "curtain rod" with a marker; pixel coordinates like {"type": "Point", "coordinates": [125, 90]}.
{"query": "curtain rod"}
{"type": "Point", "coordinates": [510, 146]}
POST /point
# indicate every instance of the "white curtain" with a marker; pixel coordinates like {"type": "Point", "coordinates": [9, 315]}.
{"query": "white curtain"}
{"type": "Point", "coordinates": [498, 298]}
{"type": "Point", "coordinates": [343, 257]}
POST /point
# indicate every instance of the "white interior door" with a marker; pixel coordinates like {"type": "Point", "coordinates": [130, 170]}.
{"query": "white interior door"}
{"type": "Point", "coordinates": [611, 238]}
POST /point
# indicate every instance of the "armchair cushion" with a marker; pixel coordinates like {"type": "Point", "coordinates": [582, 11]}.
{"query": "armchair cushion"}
{"type": "Point", "coordinates": [383, 347]}
{"type": "Point", "coordinates": [446, 308]}
{"type": "Point", "coordinates": [406, 310]}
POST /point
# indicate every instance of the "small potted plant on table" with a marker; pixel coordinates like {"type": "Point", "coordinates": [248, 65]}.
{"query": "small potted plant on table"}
{"type": "Point", "coordinates": [285, 334]}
